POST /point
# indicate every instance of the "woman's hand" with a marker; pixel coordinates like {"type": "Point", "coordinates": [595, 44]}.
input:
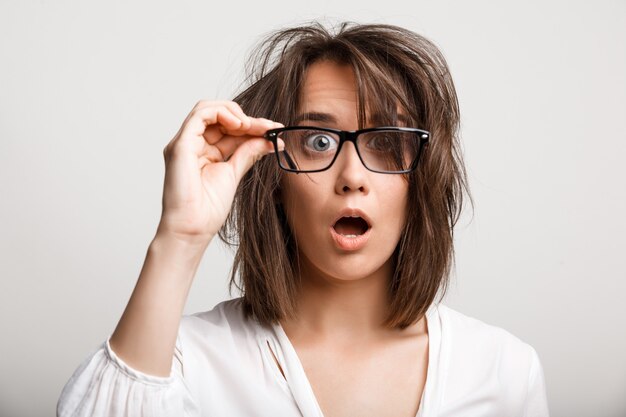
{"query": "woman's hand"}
{"type": "Point", "coordinates": [204, 163]}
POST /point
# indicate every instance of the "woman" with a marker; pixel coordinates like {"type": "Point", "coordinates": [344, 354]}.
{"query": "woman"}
{"type": "Point", "coordinates": [344, 240]}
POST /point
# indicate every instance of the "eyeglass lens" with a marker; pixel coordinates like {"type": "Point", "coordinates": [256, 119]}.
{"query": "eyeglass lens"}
{"type": "Point", "coordinates": [381, 150]}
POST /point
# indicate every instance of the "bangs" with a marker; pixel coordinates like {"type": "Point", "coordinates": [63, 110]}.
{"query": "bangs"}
{"type": "Point", "coordinates": [384, 97]}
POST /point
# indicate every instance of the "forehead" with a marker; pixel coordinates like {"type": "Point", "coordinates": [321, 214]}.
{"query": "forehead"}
{"type": "Point", "coordinates": [326, 83]}
{"type": "Point", "coordinates": [329, 94]}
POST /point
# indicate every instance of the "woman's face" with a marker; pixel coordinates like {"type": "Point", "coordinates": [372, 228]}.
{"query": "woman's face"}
{"type": "Point", "coordinates": [314, 201]}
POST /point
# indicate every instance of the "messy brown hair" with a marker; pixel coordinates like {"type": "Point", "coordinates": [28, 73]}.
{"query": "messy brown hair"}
{"type": "Point", "coordinates": [393, 67]}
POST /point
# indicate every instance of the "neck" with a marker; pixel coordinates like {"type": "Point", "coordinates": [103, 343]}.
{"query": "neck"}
{"type": "Point", "coordinates": [331, 308]}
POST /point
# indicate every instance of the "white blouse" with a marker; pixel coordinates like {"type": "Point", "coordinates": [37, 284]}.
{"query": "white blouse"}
{"type": "Point", "coordinates": [223, 366]}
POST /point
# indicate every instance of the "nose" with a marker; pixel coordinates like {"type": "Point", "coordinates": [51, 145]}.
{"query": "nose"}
{"type": "Point", "coordinates": [351, 174]}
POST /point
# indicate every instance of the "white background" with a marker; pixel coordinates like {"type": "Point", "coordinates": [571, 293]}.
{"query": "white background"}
{"type": "Point", "coordinates": [91, 93]}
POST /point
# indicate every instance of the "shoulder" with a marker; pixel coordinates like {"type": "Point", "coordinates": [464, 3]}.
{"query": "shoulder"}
{"type": "Point", "coordinates": [480, 357]}
{"type": "Point", "coordinates": [475, 337]}
{"type": "Point", "coordinates": [223, 325]}
{"type": "Point", "coordinates": [229, 310]}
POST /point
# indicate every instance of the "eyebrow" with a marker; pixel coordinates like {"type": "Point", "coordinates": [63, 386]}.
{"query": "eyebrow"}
{"type": "Point", "coordinates": [329, 118]}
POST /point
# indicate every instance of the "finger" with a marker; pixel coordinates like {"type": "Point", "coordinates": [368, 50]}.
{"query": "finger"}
{"type": "Point", "coordinates": [238, 111]}
{"type": "Point", "coordinates": [231, 105]}
{"type": "Point", "coordinates": [206, 117]}
{"type": "Point", "coordinates": [258, 127]}
{"type": "Point", "coordinates": [247, 154]}
{"type": "Point", "coordinates": [229, 144]}
{"type": "Point", "coordinates": [248, 121]}
{"type": "Point", "coordinates": [234, 108]}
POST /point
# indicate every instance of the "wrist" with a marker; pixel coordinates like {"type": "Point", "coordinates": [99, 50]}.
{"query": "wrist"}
{"type": "Point", "coordinates": [190, 241]}
{"type": "Point", "coordinates": [184, 249]}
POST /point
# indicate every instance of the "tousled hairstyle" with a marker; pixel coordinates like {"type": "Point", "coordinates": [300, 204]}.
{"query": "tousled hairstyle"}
{"type": "Point", "coordinates": [393, 67]}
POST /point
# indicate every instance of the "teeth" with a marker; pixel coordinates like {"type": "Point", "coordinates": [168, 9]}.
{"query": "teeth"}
{"type": "Point", "coordinates": [350, 236]}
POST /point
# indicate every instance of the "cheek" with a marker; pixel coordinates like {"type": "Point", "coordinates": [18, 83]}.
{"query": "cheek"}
{"type": "Point", "coordinates": [394, 201]}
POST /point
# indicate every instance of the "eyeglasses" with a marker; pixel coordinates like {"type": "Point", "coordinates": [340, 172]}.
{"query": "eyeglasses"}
{"type": "Point", "coordinates": [386, 150]}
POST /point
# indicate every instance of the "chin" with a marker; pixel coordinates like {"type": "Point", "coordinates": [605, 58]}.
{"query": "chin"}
{"type": "Point", "coordinates": [349, 274]}
{"type": "Point", "coordinates": [345, 267]}
{"type": "Point", "coordinates": [326, 261]}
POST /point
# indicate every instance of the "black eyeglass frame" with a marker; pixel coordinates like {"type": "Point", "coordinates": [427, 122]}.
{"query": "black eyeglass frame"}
{"type": "Point", "coordinates": [349, 136]}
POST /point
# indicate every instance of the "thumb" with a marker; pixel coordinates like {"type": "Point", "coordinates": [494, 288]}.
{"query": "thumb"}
{"type": "Point", "coordinates": [247, 154]}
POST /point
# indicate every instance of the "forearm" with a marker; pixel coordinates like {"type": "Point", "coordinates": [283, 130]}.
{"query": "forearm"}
{"type": "Point", "coordinates": [146, 333]}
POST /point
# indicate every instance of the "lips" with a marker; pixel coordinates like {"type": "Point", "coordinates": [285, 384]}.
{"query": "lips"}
{"type": "Point", "coordinates": [351, 229]}
{"type": "Point", "coordinates": [352, 220]}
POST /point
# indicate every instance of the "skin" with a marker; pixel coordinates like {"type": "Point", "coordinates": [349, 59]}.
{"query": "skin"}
{"type": "Point", "coordinates": [204, 163]}
{"type": "Point", "coordinates": [345, 351]}
{"type": "Point", "coordinates": [339, 337]}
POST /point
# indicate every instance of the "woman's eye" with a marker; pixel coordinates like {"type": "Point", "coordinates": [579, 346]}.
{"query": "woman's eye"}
{"type": "Point", "coordinates": [379, 143]}
{"type": "Point", "coordinates": [320, 142]}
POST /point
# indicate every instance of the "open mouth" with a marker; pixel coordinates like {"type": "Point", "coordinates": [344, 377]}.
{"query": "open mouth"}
{"type": "Point", "coordinates": [351, 226]}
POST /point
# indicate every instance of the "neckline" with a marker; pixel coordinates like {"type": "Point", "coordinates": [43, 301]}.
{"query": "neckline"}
{"type": "Point", "coordinates": [302, 390]}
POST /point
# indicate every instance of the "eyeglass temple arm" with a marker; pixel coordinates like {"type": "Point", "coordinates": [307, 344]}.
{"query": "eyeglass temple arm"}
{"type": "Point", "coordinates": [419, 152]}
{"type": "Point", "coordinates": [290, 162]}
